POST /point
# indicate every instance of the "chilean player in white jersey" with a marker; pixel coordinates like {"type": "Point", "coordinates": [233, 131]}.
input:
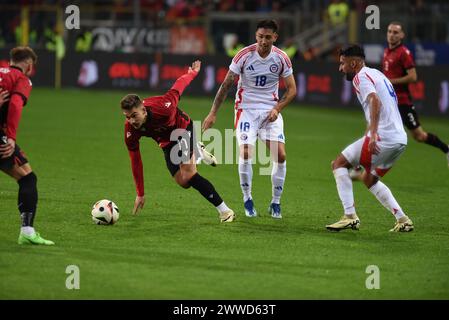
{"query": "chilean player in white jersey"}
{"type": "Point", "coordinates": [384, 141]}
{"type": "Point", "coordinates": [258, 109]}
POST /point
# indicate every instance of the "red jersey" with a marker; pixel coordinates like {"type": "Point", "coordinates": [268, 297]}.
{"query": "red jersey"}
{"type": "Point", "coordinates": [395, 64]}
{"type": "Point", "coordinates": [164, 116]}
{"type": "Point", "coordinates": [19, 86]}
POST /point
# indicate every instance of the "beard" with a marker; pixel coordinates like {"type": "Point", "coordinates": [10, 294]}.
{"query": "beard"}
{"type": "Point", "coordinates": [350, 76]}
{"type": "Point", "coordinates": [394, 43]}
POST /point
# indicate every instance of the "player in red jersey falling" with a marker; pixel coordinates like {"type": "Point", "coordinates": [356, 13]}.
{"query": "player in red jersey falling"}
{"type": "Point", "coordinates": [399, 67]}
{"type": "Point", "coordinates": [160, 118]}
{"type": "Point", "coordinates": [14, 80]}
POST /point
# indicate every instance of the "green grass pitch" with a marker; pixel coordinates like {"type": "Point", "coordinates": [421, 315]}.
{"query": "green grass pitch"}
{"type": "Point", "coordinates": [177, 249]}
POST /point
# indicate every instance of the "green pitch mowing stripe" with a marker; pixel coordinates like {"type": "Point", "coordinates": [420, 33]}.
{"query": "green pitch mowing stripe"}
{"type": "Point", "coordinates": [177, 249]}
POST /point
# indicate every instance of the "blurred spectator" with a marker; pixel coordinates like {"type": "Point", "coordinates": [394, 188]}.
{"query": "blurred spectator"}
{"type": "Point", "coordinates": [185, 9]}
{"type": "Point", "coordinates": [233, 46]}
{"type": "Point", "coordinates": [310, 54]}
{"type": "Point", "coordinates": [276, 6]}
{"type": "Point", "coordinates": [263, 6]}
{"type": "Point", "coordinates": [83, 41]}
{"type": "Point", "coordinates": [338, 12]}
{"type": "Point", "coordinates": [226, 5]}
{"type": "Point", "coordinates": [54, 42]}
{"type": "Point", "coordinates": [290, 48]}
{"type": "Point", "coordinates": [420, 11]}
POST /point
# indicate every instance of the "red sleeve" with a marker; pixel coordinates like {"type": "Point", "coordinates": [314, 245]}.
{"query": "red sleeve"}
{"type": "Point", "coordinates": [137, 168]}
{"type": "Point", "coordinates": [132, 143]}
{"type": "Point", "coordinates": [407, 60]}
{"type": "Point", "coordinates": [183, 81]}
{"type": "Point", "coordinates": [23, 88]}
{"type": "Point", "coordinates": [14, 114]}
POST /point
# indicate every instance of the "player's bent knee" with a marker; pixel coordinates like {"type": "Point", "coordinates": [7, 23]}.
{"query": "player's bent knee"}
{"type": "Point", "coordinates": [28, 182]}
{"type": "Point", "coordinates": [281, 158]}
{"type": "Point", "coordinates": [369, 180]}
{"type": "Point", "coordinates": [182, 182]}
{"type": "Point", "coordinates": [244, 154]}
{"type": "Point", "coordinates": [337, 163]}
{"type": "Point", "coordinates": [184, 185]}
{"type": "Point", "coordinates": [184, 179]}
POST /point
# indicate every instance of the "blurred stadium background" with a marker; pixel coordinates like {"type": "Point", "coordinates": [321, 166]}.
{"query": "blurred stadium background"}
{"type": "Point", "coordinates": [72, 131]}
{"type": "Point", "coordinates": [145, 44]}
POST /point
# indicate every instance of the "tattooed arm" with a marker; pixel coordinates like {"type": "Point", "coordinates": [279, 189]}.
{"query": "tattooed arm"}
{"type": "Point", "coordinates": [219, 98]}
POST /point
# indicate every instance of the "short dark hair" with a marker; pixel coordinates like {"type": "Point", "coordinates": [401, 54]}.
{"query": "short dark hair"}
{"type": "Point", "coordinates": [20, 54]}
{"type": "Point", "coordinates": [397, 23]}
{"type": "Point", "coordinates": [130, 101]}
{"type": "Point", "coordinates": [352, 50]}
{"type": "Point", "coordinates": [268, 24]}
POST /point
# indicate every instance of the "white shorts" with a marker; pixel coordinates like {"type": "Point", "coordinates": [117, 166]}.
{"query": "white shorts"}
{"type": "Point", "coordinates": [251, 124]}
{"type": "Point", "coordinates": [377, 164]}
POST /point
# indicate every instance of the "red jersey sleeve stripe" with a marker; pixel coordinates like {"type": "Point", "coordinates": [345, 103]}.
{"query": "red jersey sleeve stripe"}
{"type": "Point", "coordinates": [243, 52]}
{"type": "Point", "coordinates": [371, 79]}
{"type": "Point", "coordinates": [356, 80]}
{"type": "Point", "coordinates": [283, 55]}
{"type": "Point", "coordinates": [239, 54]}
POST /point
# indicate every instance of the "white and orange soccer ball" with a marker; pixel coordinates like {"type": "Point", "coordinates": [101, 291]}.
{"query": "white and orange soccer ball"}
{"type": "Point", "coordinates": [105, 212]}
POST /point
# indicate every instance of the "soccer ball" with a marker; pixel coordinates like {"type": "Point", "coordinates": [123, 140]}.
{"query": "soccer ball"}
{"type": "Point", "coordinates": [105, 212]}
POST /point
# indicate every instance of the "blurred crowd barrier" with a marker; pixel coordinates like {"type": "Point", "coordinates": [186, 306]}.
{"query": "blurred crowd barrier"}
{"type": "Point", "coordinates": [217, 27]}
{"type": "Point", "coordinates": [318, 83]}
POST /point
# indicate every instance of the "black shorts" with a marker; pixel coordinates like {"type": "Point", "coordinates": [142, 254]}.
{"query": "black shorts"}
{"type": "Point", "coordinates": [409, 116]}
{"type": "Point", "coordinates": [18, 157]}
{"type": "Point", "coordinates": [180, 151]}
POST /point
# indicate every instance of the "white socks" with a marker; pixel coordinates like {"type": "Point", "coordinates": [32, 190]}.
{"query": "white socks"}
{"type": "Point", "coordinates": [246, 177]}
{"type": "Point", "coordinates": [384, 195]}
{"type": "Point", "coordinates": [27, 230]}
{"type": "Point", "coordinates": [277, 180]}
{"type": "Point", "coordinates": [380, 191]}
{"type": "Point", "coordinates": [344, 188]}
{"type": "Point", "coordinates": [222, 208]}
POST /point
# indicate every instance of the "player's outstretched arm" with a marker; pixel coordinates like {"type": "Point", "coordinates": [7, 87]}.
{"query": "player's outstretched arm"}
{"type": "Point", "coordinates": [183, 81]}
{"type": "Point", "coordinates": [228, 82]}
{"type": "Point", "coordinates": [137, 170]}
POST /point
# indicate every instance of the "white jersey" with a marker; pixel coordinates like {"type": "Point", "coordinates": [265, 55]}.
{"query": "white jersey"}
{"type": "Point", "coordinates": [259, 77]}
{"type": "Point", "coordinates": [370, 80]}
